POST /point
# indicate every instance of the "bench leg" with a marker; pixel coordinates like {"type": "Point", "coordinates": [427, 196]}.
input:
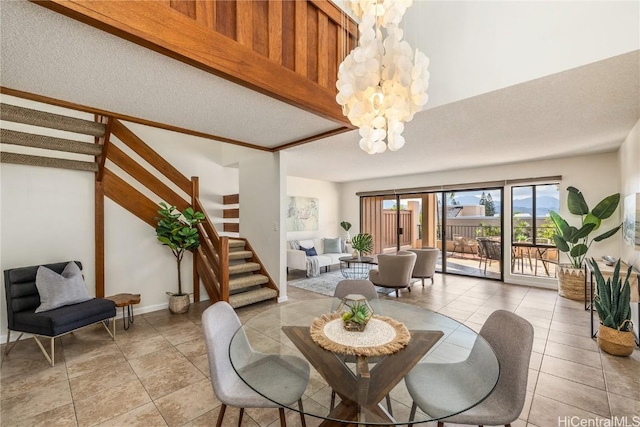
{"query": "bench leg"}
{"type": "Point", "coordinates": [51, 359]}
{"type": "Point", "coordinates": [7, 347]}
{"type": "Point", "coordinates": [106, 323]}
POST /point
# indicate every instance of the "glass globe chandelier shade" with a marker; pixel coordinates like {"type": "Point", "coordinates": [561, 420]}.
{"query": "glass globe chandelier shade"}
{"type": "Point", "coordinates": [382, 83]}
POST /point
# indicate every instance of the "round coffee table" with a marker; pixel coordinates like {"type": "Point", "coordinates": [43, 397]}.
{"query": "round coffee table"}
{"type": "Point", "coordinates": [356, 268]}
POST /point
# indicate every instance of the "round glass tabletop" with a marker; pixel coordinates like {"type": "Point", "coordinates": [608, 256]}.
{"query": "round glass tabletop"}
{"type": "Point", "coordinates": [446, 367]}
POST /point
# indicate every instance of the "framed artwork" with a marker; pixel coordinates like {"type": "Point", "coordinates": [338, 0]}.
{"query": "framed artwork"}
{"type": "Point", "coordinates": [302, 214]}
{"type": "Point", "coordinates": [631, 221]}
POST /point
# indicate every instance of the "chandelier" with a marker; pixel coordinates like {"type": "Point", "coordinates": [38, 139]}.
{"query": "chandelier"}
{"type": "Point", "coordinates": [382, 83]}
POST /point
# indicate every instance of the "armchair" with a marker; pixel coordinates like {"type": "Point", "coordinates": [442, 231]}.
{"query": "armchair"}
{"type": "Point", "coordinates": [394, 271]}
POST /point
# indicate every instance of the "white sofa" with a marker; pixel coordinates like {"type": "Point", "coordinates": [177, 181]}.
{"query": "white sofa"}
{"type": "Point", "coordinates": [297, 259]}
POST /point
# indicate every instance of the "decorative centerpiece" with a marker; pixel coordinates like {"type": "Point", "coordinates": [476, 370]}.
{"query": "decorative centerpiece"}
{"type": "Point", "coordinates": [356, 312]}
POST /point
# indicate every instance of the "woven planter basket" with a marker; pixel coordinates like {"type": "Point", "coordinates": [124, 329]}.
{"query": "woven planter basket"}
{"type": "Point", "coordinates": [615, 341]}
{"type": "Point", "coordinates": [571, 283]}
{"type": "Point", "coordinates": [178, 304]}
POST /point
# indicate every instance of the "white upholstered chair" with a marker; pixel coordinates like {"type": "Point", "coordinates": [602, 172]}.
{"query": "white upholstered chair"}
{"type": "Point", "coordinates": [425, 267]}
{"type": "Point", "coordinates": [394, 271]}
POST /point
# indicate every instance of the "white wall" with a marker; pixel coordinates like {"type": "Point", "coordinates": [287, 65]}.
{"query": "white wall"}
{"type": "Point", "coordinates": [629, 157]}
{"type": "Point", "coordinates": [328, 195]}
{"type": "Point", "coordinates": [595, 175]}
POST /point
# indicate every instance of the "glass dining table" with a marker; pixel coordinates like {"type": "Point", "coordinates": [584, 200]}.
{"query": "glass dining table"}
{"type": "Point", "coordinates": [367, 390]}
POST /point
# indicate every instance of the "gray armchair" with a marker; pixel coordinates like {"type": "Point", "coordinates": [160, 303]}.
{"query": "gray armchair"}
{"type": "Point", "coordinates": [394, 271]}
{"type": "Point", "coordinates": [425, 266]}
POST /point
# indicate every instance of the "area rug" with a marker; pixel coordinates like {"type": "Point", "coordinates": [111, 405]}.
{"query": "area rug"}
{"type": "Point", "coordinates": [325, 283]}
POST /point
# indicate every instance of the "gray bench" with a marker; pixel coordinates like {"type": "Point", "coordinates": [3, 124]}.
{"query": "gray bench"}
{"type": "Point", "coordinates": [23, 299]}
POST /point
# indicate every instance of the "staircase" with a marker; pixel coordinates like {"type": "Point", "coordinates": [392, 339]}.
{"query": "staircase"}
{"type": "Point", "coordinates": [229, 268]}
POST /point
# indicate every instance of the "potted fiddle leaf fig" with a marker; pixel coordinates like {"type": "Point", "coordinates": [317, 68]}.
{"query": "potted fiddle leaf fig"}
{"type": "Point", "coordinates": [575, 241]}
{"type": "Point", "coordinates": [362, 243]}
{"type": "Point", "coordinates": [178, 231]}
{"type": "Point", "coordinates": [613, 304]}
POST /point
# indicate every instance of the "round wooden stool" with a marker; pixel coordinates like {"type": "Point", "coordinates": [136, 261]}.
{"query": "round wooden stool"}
{"type": "Point", "coordinates": [126, 300]}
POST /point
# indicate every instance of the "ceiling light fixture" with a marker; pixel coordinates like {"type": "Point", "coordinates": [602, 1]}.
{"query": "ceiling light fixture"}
{"type": "Point", "coordinates": [379, 87]}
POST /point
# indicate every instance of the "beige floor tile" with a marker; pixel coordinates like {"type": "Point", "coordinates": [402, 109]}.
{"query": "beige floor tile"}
{"type": "Point", "coordinates": [546, 412]}
{"type": "Point", "coordinates": [573, 393]}
{"type": "Point", "coordinates": [535, 361]}
{"type": "Point", "coordinates": [171, 378]}
{"type": "Point", "coordinates": [187, 403]}
{"type": "Point", "coordinates": [62, 416]}
{"type": "Point", "coordinates": [573, 371]}
{"type": "Point", "coordinates": [583, 342]}
{"type": "Point", "coordinates": [110, 402]}
{"type": "Point", "coordinates": [84, 385]}
{"type": "Point", "coordinates": [35, 401]}
{"type": "Point", "coordinates": [584, 357]}
{"type": "Point", "coordinates": [40, 375]}
{"type": "Point", "coordinates": [97, 362]}
{"type": "Point", "coordinates": [145, 365]}
{"type": "Point", "coordinates": [532, 380]}
{"type": "Point", "coordinates": [622, 406]}
{"type": "Point", "coordinates": [623, 384]}
{"type": "Point", "coordinates": [182, 333]}
{"type": "Point", "coordinates": [144, 416]}
{"type": "Point", "coordinates": [132, 349]}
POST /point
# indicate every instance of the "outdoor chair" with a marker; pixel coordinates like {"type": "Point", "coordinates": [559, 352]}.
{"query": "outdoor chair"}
{"type": "Point", "coordinates": [492, 250]}
{"type": "Point", "coordinates": [425, 267]}
{"type": "Point", "coordinates": [462, 245]}
{"type": "Point", "coordinates": [511, 338]}
{"type": "Point", "coordinates": [23, 300]}
{"type": "Point", "coordinates": [394, 271]}
{"type": "Point", "coordinates": [220, 323]}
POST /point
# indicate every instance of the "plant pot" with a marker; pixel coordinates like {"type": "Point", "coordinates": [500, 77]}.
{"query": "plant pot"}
{"type": "Point", "coordinates": [571, 282]}
{"type": "Point", "coordinates": [354, 326]}
{"type": "Point", "coordinates": [615, 341]}
{"type": "Point", "coordinates": [178, 303]}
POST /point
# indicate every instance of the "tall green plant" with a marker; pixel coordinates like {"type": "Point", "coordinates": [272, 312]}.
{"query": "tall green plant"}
{"type": "Point", "coordinates": [346, 226]}
{"type": "Point", "coordinates": [575, 241]}
{"type": "Point", "coordinates": [363, 243]}
{"type": "Point", "coordinates": [613, 300]}
{"type": "Point", "coordinates": [178, 231]}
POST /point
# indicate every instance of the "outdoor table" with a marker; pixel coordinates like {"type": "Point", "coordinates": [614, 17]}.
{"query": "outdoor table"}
{"type": "Point", "coordinates": [362, 383]}
{"type": "Point", "coordinates": [540, 251]}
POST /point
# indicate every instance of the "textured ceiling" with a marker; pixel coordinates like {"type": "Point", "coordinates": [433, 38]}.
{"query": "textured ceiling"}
{"type": "Point", "coordinates": [499, 90]}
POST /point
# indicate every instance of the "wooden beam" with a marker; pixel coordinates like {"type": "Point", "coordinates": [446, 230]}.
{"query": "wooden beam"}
{"type": "Point", "coordinates": [129, 198]}
{"type": "Point", "coordinates": [156, 26]}
{"type": "Point", "coordinates": [323, 50]}
{"type": "Point", "coordinates": [244, 23]}
{"type": "Point", "coordinates": [275, 30]}
{"type": "Point", "coordinates": [231, 213]}
{"type": "Point", "coordinates": [99, 238]}
{"type": "Point", "coordinates": [195, 194]}
{"type": "Point", "coordinates": [149, 155]}
{"type": "Point", "coordinates": [301, 38]}
{"type": "Point", "coordinates": [231, 227]}
{"type": "Point", "coordinates": [231, 199]}
{"type": "Point", "coordinates": [312, 138]}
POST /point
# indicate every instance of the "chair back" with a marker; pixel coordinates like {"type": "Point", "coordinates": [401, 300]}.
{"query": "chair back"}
{"type": "Point", "coordinates": [358, 287]}
{"type": "Point", "coordinates": [492, 249]}
{"type": "Point", "coordinates": [21, 291]}
{"type": "Point", "coordinates": [220, 323]}
{"type": "Point", "coordinates": [426, 259]}
{"type": "Point", "coordinates": [511, 338]}
{"type": "Point", "coordinates": [395, 270]}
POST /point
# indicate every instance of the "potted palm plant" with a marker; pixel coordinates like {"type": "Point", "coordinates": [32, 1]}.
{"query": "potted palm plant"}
{"type": "Point", "coordinates": [362, 243]}
{"type": "Point", "coordinates": [178, 231]}
{"type": "Point", "coordinates": [575, 242]}
{"type": "Point", "coordinates": [613, 304]}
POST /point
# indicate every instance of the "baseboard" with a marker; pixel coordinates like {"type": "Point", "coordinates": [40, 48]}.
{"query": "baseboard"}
{"type": "Point", "coordinates": [283, 299]}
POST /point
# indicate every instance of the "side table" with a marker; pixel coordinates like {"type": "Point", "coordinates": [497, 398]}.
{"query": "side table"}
{"type": "Point", "coordinates": [126, 300]}
{"type": "Point", "coordinates": [356, 268]}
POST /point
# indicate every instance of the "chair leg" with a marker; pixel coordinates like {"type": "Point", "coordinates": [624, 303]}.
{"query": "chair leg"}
{"type": "Point", "coordinates": [432, 280]}
{"type": "Point", "coordinates": [7, 347]}
{"type": "Point", "coordinates": [412, 415]}
{"type": "Point", "coordinates": [397, 293]}
{"type": "Point", "coordinates": [304, 422]}
{"type": "Point", "coordinates": [388, 398]}
{"type": "Point", "coordinates": [240, 418]}
{"type": "Point", "coordinates": [283, 420]}
{"type": "Point", "coordinates": [223, 407]}
{"type": "Point", "coordinates": [51, 359]}
{"type": "Point", "coordinates": [423, 281]}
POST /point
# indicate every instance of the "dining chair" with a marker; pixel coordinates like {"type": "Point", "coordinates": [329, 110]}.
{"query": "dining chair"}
{"type": "Point", "coordinates": [492, 250]}
{"type": "Point", "coordinates": [394, 271]}
{"type": "Point", "coordinates": [511, 338]}
{"type": "Point", "coordinates": [288, 373]}
{"type": "Point", "coordinates": [425, 267]}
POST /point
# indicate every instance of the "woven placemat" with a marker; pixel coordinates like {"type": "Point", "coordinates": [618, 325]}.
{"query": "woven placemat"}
{"type": "Point", "coordinates": [383, 336]}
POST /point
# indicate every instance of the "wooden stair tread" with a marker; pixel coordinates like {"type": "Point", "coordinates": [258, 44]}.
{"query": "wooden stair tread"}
{"type": "Point", "coordinates": [252, 297]}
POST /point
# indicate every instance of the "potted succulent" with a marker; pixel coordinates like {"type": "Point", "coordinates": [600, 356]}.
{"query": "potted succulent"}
{"type": "Point", "coordinates": [575, 242]}
{"type": "Point", "coordinates": [357, 317]}
{"type": "Point", "coordinates": [178, 231]}
{"type": "Point", "coordinates": [362, 244]}
{"type": "Point", "coordinates": [613, 304]}
{"type": "Point", "coordinates": [346, 226]}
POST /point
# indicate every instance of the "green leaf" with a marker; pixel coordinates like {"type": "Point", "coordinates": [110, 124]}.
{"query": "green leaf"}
{"type": "Point", "coordinates": [591, 219]}
{"type": "Point", "coordinates": [607, 206]}
{"type": "Point", "coordinates": [607, 234]}
{"type": "Point", "coordinates": [583, 232]}
{"type": "Point", "coordinates": [570, 234]}
{"type": "Point", "coordinates": [576, 203]}
{"type": "Point", "coordinates": [560, 243]}
{"type": "Point", "coordinates": [561, 224]}
{"type": "Point", "coordinates": [578, 250]}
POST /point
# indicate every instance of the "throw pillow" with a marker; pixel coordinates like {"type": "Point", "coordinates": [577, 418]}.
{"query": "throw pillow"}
{"type": "Point", "coordinates": [333, 246]}
{"type": "Point", "coordinates": [57, 290]}
{"type": "Point", "coordinates": [309, 251]}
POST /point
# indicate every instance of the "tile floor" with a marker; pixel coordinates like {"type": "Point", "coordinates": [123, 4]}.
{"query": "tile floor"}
{"type": "Point", "coordinates": [155, 374]}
